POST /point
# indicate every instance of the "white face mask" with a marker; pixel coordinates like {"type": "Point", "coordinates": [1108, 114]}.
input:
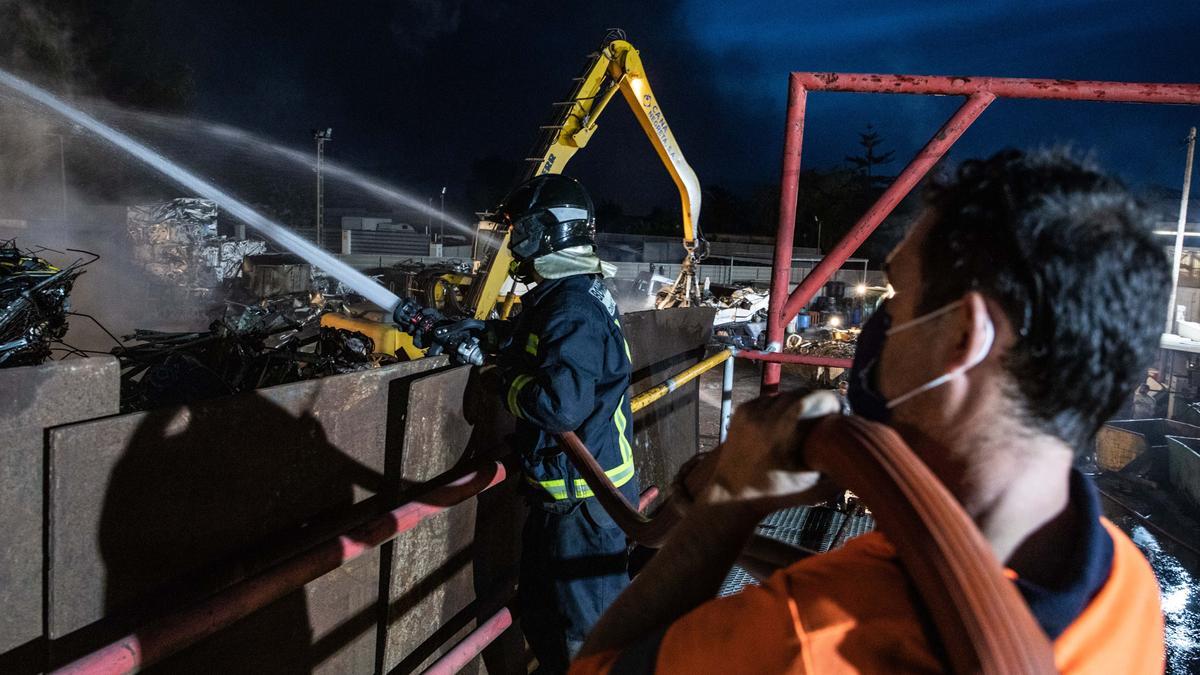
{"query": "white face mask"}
{"type": "Point", "coordinates": [976, 358]}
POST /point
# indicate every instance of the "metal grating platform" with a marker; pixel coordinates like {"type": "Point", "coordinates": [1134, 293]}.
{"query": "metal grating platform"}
{"type": "Point", "coordinates": [814, 527]}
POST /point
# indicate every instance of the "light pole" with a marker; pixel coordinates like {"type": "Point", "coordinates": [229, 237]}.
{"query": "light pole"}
{"type": "Point", "coordinates": [442, 223]}
{"type": "Point", "coordinates": [321, 136]}
{"type": "Point", "coordinates": [1183, 205]}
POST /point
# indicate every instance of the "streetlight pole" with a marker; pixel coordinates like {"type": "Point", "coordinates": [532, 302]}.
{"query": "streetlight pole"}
{"type": "Point", "coordinates": [1183, 205]}
{"type": "Point", "coordinates": [442, 223]}
{"type": "Point", "coordinates": [62, 174]}
{"type": "Point", "coordinates": [321, 136]}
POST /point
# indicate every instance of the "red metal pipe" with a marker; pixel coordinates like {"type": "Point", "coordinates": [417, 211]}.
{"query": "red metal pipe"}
{"type": "Point", "coordinates": [1003, 87]}
{"type": "Point", "coordinates": [920, 165]}
{"type": "Point", "coordinates": [462, 653]}
{"type": "Point", "coordinates": [803, 359]}
{"type": "Point", "coordinates": [185, 627]}
{"type": "Point", "coordinates": [789, 185]}
{"type": "Point", "coordinates": [647, 497]}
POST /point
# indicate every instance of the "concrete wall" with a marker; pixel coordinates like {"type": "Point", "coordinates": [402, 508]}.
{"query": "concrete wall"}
{"type": "Point", "coordinates": [151, 511]}
{"type": "Point", "coordinates": [35, 399]}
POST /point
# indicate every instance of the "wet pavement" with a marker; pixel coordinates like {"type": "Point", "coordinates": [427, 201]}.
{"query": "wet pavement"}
{"type": "Point", "coordinates": [1178, 570]}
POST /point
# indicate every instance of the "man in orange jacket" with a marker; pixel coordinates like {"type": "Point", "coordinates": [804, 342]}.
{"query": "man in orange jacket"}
{"type": "Point", "coordinates": [1028, 301]}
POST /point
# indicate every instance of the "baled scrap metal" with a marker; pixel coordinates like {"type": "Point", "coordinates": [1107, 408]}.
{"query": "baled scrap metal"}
{"type": "Point", "coordinates": [276, 274]}
{"type": "Point", "coordinates": [178, 241]}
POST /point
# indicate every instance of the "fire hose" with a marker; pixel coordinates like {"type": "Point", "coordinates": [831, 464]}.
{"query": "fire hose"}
{"type": "Point", "coordinates": [982, 621]}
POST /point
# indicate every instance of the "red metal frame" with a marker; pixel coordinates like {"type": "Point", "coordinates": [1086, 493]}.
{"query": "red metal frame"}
{"type": "Point", "coordinates": [979, 93]}
{"type": "Point", "coordinates": [469, 647]}
{"type": "Point", "coordinates": [185, 627]}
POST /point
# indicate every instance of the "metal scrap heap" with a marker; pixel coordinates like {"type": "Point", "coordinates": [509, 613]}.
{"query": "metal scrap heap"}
{"type": "Point", "coordinates": [275, 341]}
{"type": "Point", "coordinates": [34, 303]}
{"type": "Point", "coordinates": [832, 344]}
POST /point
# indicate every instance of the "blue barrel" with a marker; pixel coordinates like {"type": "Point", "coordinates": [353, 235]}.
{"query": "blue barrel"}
{"type": "Point", "coordinates": [856, 315]}
{"type": "Point", "coordinates": [803, 321]}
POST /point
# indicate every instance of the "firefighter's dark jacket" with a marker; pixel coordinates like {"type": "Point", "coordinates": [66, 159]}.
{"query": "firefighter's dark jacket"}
{"type": "Point", "coordinates": [566, 368]}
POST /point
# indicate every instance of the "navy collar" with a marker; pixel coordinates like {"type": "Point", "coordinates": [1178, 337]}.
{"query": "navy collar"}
{"type": "Point", "coordinates": [1089, 559]}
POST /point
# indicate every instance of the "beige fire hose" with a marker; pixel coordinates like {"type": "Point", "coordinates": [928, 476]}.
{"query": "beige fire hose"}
{"type": "Point", "coordinates": [981, 619]}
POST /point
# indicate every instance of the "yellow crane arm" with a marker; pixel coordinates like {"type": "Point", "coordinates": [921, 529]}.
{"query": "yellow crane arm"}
{"type": "Point", "coordinates": [617, 66]}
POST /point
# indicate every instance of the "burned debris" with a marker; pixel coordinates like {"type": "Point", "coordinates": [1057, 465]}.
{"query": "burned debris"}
{"type": "Point", "coordinates": [269, 332]}
{"type": "Point", "coordinates": [260, 349]}
{"type": "Point", "coordinates": [34, 304]}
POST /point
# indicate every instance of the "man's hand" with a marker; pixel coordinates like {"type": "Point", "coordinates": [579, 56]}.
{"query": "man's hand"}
{"type": "Point", "coordinates": [760, 467]}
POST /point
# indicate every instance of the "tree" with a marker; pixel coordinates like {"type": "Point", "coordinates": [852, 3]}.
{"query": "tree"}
{"type": "Point", "coordinates": [865, 163]}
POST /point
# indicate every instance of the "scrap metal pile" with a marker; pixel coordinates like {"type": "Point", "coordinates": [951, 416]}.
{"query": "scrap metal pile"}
{"type": "Point", "coordinates": [34, 304]}
{"type": "Point", "coordinates": [275, 341]}
{"type": "Point", "coordinates": [266, 317]}
{"type": "Point", "coordinates": [741, 316]}
{"type": "Point", "coordinates": [836, 344]}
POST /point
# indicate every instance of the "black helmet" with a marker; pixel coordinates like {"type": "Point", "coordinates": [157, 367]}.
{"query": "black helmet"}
{"type": "Point", "coordinates": [548, 213]}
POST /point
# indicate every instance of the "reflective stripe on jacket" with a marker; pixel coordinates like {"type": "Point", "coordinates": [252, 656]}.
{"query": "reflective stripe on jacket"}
{"type": "Point", "coordinates": [567, 368]}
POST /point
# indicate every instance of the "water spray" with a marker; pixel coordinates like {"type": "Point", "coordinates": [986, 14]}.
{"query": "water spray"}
{"type": "Point", "coordinates": [361, 283]}
{"type": "Point", "coordinates": [231, 134]}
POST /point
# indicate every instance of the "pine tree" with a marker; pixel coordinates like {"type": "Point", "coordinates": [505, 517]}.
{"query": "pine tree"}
{"type": "Point", "coordinates": [866, 162]}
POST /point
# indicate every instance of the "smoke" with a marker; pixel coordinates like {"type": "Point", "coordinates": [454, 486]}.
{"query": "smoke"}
{"type": "Point", "coordinates": [222, 149]}
{"type": "Point", "coordinates": [38, 43]}
{"type": "Point", "coordinates": [115, 290]}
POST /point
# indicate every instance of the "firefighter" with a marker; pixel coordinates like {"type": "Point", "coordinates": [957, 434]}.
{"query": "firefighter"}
{"type": "Point", "coordinates": [564, 365]}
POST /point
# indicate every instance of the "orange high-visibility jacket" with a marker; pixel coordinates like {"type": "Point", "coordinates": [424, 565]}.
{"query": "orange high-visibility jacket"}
{"type": "Point", "coordinates": [854, 610]}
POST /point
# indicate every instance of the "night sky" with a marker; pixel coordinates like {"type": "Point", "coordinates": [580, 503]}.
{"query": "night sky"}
{"type": "Point", "coordinates": [419, 91]}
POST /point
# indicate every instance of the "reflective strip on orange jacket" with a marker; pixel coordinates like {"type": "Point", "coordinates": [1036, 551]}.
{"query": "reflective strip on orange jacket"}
{"type": "Point", "coordinates": [854, 610]}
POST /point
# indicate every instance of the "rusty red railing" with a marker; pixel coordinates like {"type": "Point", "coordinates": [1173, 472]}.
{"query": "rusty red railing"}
{"type": "Point", "coordinates": [469, 647]}
{"type": "Point", "coordinates": [980, 92]}
{"type": "Point", "coordinates": [173, 632]}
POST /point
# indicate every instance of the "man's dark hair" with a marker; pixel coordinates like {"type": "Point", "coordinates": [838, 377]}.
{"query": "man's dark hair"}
{"type": "Point", "coordinates": [1069, 255]}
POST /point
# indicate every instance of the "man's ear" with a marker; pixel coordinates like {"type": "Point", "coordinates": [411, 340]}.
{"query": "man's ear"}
{"type": "Point", "coordinates": [976, 332]}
